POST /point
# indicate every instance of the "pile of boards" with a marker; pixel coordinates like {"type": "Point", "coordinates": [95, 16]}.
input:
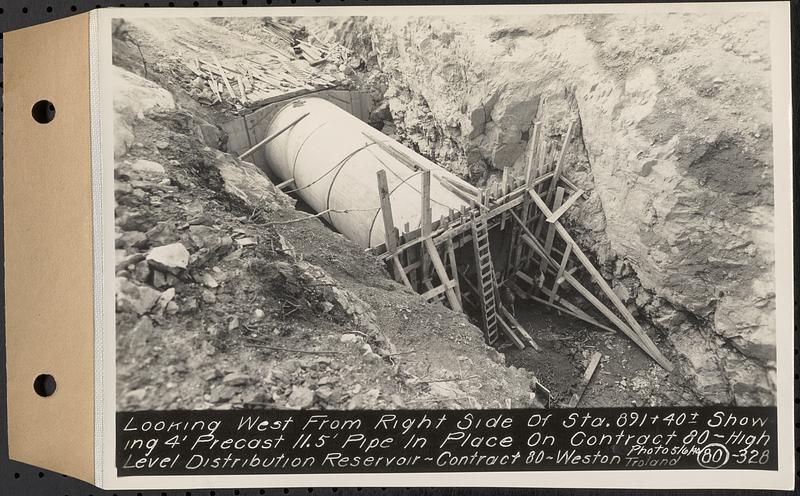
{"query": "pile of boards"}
{"type": "Point", "coordinates": [285, 67]}
{"type": "Point", "coordinates": [314, 53]}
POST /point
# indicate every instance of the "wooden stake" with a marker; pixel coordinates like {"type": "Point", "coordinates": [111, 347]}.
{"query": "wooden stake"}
{"type": "Point", "coordinates": [386, 211]}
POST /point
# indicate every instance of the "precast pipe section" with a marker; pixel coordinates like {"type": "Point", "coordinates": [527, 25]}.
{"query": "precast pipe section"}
{"type": "Point", "coordinates": [333, 158]}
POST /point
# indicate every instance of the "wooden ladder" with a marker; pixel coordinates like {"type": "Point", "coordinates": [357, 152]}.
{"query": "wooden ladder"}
{"type": "Point", "coordinates": [487, 284]}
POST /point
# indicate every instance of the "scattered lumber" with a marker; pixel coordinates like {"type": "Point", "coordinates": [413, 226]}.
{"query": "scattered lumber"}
{"type": "Point", "coordinates": [248, 79]}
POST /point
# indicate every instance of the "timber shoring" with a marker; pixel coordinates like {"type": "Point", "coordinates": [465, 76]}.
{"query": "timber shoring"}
{"type": "Point", "coordinates": [542, 255]}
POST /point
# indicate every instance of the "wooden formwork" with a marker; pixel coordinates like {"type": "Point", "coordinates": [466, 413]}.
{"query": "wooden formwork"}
{"type": "Point", "coordinates": [541, 258]}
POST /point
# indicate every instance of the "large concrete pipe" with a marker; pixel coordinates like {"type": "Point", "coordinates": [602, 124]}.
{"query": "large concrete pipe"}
{"type": "Point", "coordinates": [334, 158]}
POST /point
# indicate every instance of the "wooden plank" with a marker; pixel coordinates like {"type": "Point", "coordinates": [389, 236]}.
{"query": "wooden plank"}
{"type": "Point", "coordinates": [560, 273]}
{"type": "Point", "coordinates": [541, 166]}
{"type": "Point", "coordinates": [451, 256]}
{"type": "Point", "coordinates": [551, 230]}
{"type": "Point", "coordinates": [513, 321]}
{"type": "Point", "coordinates": [462, 195]}
{"type": "Point", "coordinates": [587, 377]}
{"type": "Point", "coordinates": [517, 248]}
{"type": "Point", "coordinates": [425, 223]}
{"type": "Point", "coordinates": [212, 83]}
{"type": "Point", "coordinates": [412, 264]}
{"type": "Point", "coordinates": [569, 184]}
{"type": "Point", "coordinates": [560, 279]}
{"type": "Point", "coordinates": [525, 277]}
{"type": "Point", "coordinates": [442, 273]}
{"type": "Point", "coordinates": [243, 97]}
{"type": "Point", "coordinates": [558, 212]}
{"type": "Point", "coordinates": [386, 211]}
{"type": "Point", "coordinates": [560, 163]}
{"type": "Point", "coordinates": [510, 333]}
{"type": "Point", "coordinates": [400, 270]}
{"type": "Point", "coordinates": [224, 76]}
{"type": "Point", "coordinates": [570, 309]}
{"type": "Point", "coordinates": [272, 137]}
{"type": "Point", "coordinates": [633, 335]}
{"type": "Point", "coordinates": [457, 181]}
{"type": "Point", "coordinates": [532, 158]}
{"type": "Point", "coordinates": [434, 292]}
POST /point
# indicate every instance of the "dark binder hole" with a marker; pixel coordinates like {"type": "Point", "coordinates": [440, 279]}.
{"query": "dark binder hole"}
{"type": "Point", "coordinates": [43, 111]}
{"type": "Point", "coordinates": [44, 385]}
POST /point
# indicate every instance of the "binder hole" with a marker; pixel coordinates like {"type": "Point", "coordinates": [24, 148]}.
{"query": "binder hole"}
{"type": "Point", "coordinates": [43, 111]}
{"type": "Point", "coordinates": [44, 385]}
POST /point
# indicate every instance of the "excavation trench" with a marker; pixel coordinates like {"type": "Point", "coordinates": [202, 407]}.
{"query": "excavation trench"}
{"type": "Point", "coordinates": [472, 249]}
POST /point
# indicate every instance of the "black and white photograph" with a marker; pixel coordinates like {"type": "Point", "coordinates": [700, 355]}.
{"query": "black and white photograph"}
{"type": "Point", "coordinates": [444, 211]}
